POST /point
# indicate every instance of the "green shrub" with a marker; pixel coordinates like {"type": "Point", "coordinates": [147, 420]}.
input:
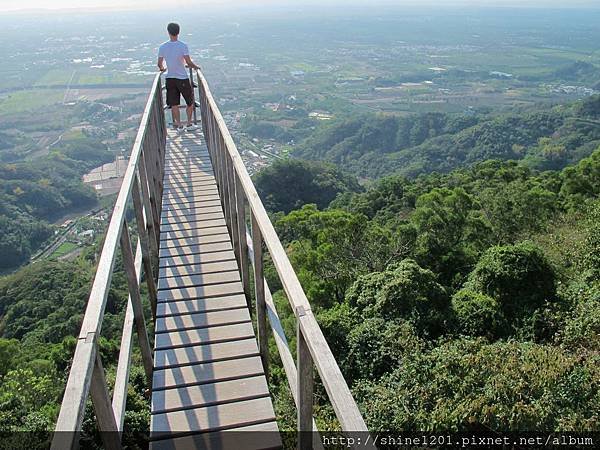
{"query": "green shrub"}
{"type": "Point", "coordinates": [477, 314]}
{"type": "Point", "coordinates": [518, 276]}
{"type": "Point", "coordinates": [377, 346]}
{"type": "Point", "coordinates": [470, 385]}
{"type": "Point", "coordinates": [403, 291]}
{"type": "Point", "coordinates": [581, 328]}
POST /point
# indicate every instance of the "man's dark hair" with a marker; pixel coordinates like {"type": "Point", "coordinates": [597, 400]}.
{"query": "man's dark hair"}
{"type": "Point", "coordinates": [173, 29]}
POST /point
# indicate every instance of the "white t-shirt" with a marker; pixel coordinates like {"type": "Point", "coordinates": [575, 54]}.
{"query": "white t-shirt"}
{"type": "Point", "coordinates": [173, 52]}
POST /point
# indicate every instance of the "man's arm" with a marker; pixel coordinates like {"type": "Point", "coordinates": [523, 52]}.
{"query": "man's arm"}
{"type": "Point", "coordinates": [190, 63]}
{"type": "Point", "coordinates": [160, 64]}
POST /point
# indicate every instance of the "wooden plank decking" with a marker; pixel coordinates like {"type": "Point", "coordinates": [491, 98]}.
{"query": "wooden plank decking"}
{"type": "Point", "coordinates": [208, 375]}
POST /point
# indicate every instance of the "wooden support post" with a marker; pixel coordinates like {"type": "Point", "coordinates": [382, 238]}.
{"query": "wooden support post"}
{"type": "Point", "coordinates": [225, 180]}
{"type": "Point", "coordinates": [153, 230]}
{"type": "Point", "coordinates": [218, 157]}
{"type": "Point", "coordinates": [156, 171]}
{"type": "Point", "coordinates": [305, 386]}
{"type": "Point", "coordinates": [107, 425]}
{"type": "Point", "coordinates": [153, 194]}
{"type": "Point", "coordinates": [136, 302]}
{"type": "Point", "coordinates": [205, 131]}
{"type": "Point", "coordinates": [162, 120]}
{"type": "Point", "coordinates": [157, 145]}
{"type": "Point", "coordinates": [152, 165]}
{"type": "Point", "coordinates": [193, 94]}
{"type": "Point", "coordinates": [259, 289]}
{"type": "Point", "coordinates": [224, 191]}
{"type": "Point", "coordinates": [145, 246]}
{"type": "Point", "coordinates": [232, 204]}
{"type": "Point", "coordinates": [70, 418]}
{"type": "Point", "coordinates": [119, 400]}
{"type": "Point", "coordinates": [241, 234]}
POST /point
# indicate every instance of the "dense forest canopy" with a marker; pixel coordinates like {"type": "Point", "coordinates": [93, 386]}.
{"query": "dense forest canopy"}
{"type": "Point", "coordinates": [375, 145]}
{"type": "Point", "coordinates": [461, 301]}
{"type": "Point", "coordinates": [314, 182]}
{"type": "Point", "coordinates": [459, 292]}
{"type": "Point", "coordinates": [41, 308]}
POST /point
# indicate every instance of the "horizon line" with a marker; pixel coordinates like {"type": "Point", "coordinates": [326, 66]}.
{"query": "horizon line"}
{"type": "Point", "coordinates": [223, 5]}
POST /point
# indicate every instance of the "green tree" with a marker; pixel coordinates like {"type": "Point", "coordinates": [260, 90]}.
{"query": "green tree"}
{"type": "Point", "coordinates": [377, 346]}
{"type": "Point", "coordinates": [477, 314]}
{"type": "Point", "coordinates": [403, 291]}
{"type": "Point", "coordinates": [451, 232]}
{"type": "Point", "coordinates": [472, 385]}
{"type": "Point", "coordinates": [582, 181]}
{"type": "Point", "coordinates": [518, 276]}
{"type": "Point", "coordinates": [330, 249]}
{"type": "Point", "coordinates": [288, 184]}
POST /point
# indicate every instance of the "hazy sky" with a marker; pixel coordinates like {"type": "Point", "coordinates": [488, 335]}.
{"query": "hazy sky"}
{"type": "Point", "coordinates": [11, 5]}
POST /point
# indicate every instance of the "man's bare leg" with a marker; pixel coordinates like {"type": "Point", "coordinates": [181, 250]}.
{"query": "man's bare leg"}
{"type": "Point", "coordinates": [176, 116]}
{"type": "Point", "coordinates": [190, 114]}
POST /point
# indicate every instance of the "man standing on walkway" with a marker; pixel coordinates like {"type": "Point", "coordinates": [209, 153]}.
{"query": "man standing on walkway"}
{"type": "Point", "coordinates": [176, 54]}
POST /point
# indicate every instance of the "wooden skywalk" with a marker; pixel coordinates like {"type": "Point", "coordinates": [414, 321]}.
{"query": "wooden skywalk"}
{"type": "Point", "coordinates": [208, 374]}
{"type": "Point", "coordinates": [197, 240]}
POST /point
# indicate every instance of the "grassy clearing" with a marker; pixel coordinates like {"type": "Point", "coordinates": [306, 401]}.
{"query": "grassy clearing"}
{"type": "Point", "coordinates": [105, 77]}
{"type": "Point", "coordinates": [55, 77]}
{"type": "Point", "coordinates": [74, 134]}
{"type": "Point", "coordinates": [63, 249]}
{"type": "Point", "coordinates": [29, 100]}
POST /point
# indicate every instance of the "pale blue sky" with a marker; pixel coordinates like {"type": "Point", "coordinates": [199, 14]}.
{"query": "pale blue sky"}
{"type": "Point", "coordinates": [11, 5]}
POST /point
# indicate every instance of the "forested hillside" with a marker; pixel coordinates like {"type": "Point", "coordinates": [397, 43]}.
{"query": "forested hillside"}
{"type": "Point", "coordinates": [463, 301]}
{"type": "Point", "coordinates": [41, 308]}
{"type": "Point", "coordinates": [374, 146]}
{"type": "Point", "coordinates": [33, 192]}
{"type": "Point", "coordinates": [291, 183]}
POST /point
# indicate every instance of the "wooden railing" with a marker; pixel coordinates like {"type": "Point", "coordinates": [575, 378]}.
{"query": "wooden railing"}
{"type": "Point", "coordinates": [236, 190]}
{"type": "Point", "coordinates": [142, 186]}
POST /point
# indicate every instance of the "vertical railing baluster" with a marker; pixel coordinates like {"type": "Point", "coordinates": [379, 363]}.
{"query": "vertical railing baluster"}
{"type": "Point", "coordinates": [305, 386]}
{"type": "Point", "coordinates": [107, 425]}
{"type": "Point", "coordinates": [217, 154]}
{"type": "Point", "coordinates": [226, 185]}
{"type": "Point", "coordinates": [153, 230]}
{"type": "Point", "coordinates": [241, 234]}
{"type": "Point", "coordinates": [159, 153]}
{"type": "Point", "coordinates": [220, 152]}
{"type": "Point", "coordinates": [136, 301]}
{"type": "Point", "coordinates": [119, 399]}
{"type": "Point", "coordinates": [144, 241]}
{"type": "Point", "coordinates": [210, 142]}
{"type": "Point", "coordinates": [193, 94]}
{"type": "Point", "coordinates": [156, 170]}
{"type": "Point", "coordinates": [152, 190]}
{"type": "Point", "coordinates": [259, 292]}
{"type": "Point", "coordinates": [231, 200]}
{"type": "Point", "coordinates": [206, 133]}
{"type": "Point", "coordinates": [162, 119]}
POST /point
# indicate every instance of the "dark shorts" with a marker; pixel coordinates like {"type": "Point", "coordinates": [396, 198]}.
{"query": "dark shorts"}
{"type": "Point", "coordinates": [177, 88]}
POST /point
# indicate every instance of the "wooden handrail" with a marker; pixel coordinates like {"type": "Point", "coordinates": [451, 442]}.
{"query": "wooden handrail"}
{"type": "Point", "coordinates": [142, 184]}
{"type": "Point", "coordinates": [235, 188]}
